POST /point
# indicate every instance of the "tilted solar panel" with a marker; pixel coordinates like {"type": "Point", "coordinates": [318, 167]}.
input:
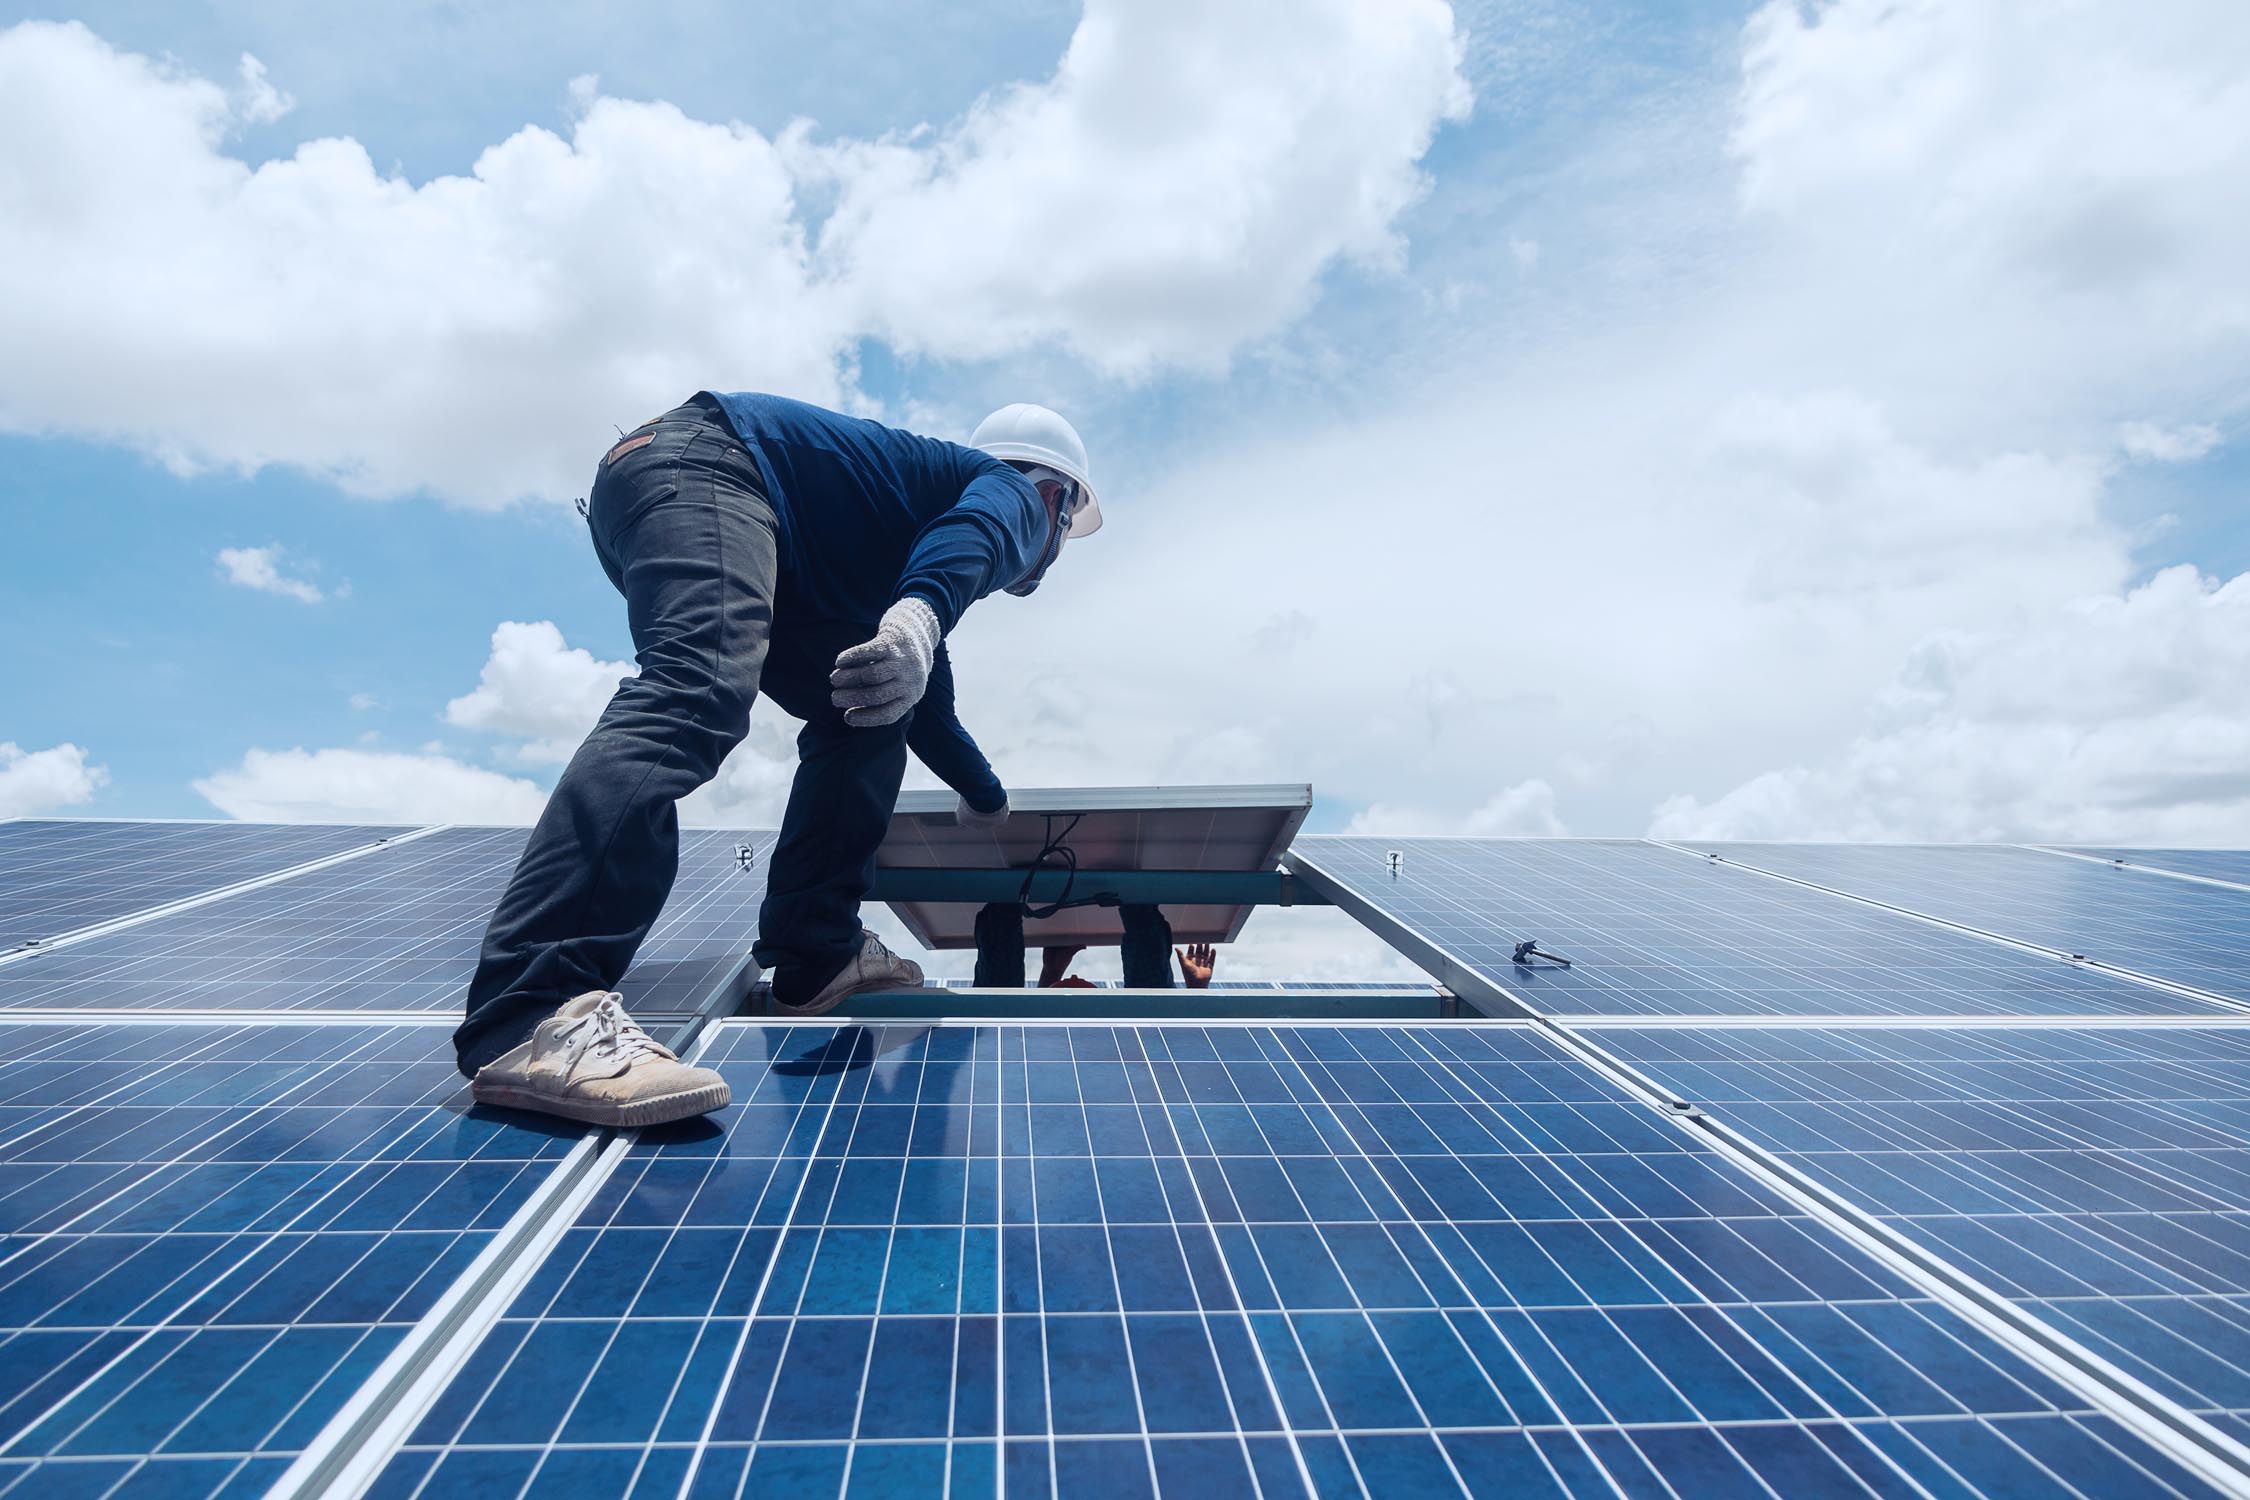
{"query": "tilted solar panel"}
{"type": "Point", "coordinates": [2101, 1177]}
{"type": "Point", "coordinates": [1222, 1260]}
{"type": "Point", "coordinates": [214, 1233]}
{"type": "Point", "coordinates": [58, 874]}
{"type": "Point", "coordinates": [1651, 931]}
{"type": "Point", "coordinates": [2211, 864]}
{"type": "Point", "coordinates": [395, 930]}
{"type": "Point", "coordinates": [2184, 931]}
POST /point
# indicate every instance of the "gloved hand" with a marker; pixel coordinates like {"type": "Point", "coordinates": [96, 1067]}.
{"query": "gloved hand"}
{"type": "Point", "coordinates": [969, 817]}
{"type": "Point", "coordinates": [879, 681]}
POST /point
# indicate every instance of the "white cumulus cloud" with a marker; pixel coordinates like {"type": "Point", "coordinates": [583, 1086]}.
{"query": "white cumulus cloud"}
{"type": "Point", "coordinates": [2064, 179]}
{"type": "Point", "coordinates": [2118, 718]}
{"type": "Point", "coordinates": [537, 688]}
{"type": "Point", "coordinates": [256, 101]}
{"type": "Point", "coordinates": [2168, 445]}
{"type": "Point", "coordinates": [1173, 192]}
{"type": "Point", "coordinates": [1176, 189]}
{"type": "Point", "coordinates": [260, 568]}
{"type": "Point", "coordinates": [39, 781]}
{"type": "Point", "coordinates": [367, 786]}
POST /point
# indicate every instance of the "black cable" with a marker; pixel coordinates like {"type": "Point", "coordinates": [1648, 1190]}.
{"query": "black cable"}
{"type": "Point", "coordinates": [1054, 847]}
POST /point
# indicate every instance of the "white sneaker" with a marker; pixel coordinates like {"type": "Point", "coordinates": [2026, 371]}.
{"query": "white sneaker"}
{"type": "Point", "coordinates": [873, 967]}
{"type": "Point", "coordinates": [591, 1061]}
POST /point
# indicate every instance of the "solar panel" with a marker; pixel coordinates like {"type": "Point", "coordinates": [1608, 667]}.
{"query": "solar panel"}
{"type": "Point", "coordinates": [2179, 930]}
{"type": "Point", "coordinates": [58, 874]}
{"type": "Point", "coordinates": [2099, 1176]}
{"type": "Point", "coordinates": [214, 1233]}
{"type": "Point", "coordinates": [2212, 864]}
{"type": "Point", "coordinates": [1196, 1261]}
{"type": "Point", "coordinates": [1204, 828]}
{"type": "Point", "coordinates": [395, 930]}
{"type": "Point", "coordinates": [1653, 932]}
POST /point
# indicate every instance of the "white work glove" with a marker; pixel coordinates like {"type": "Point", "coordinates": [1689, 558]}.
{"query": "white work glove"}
{"type": "Point", "coordinates": [880, 681]}
{"type": "Point", "coordinates": [969, 817]}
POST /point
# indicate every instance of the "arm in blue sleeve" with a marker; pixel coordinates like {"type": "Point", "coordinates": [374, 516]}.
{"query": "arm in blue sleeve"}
{"type": "Point", "coordinates": [990, 537]}
{"type": "Point", "coordinates": [939, 742]}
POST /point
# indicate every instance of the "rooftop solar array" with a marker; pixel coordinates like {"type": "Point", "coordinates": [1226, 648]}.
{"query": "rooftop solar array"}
{"type": "Point", "coordinates": [1950, 1217]}
{"type": "Point", "coordinates": [2212, 864]}
{"type": "Point", "coordinates": [2101, 1176]}
{"type": "Point", "coordinates": [57, 875]}
{"type": "Point", "coordinates": [1217, 1261]}
{"type": "Point", "coordinates": [1653, 932]}
{"type": "Point", "coordinates": [393, 930]}
{"type": "Point", "coordinates": [2188, 932]}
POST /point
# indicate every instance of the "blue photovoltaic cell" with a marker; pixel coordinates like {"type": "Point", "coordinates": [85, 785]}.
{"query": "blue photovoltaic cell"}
{"type": "Point", "coordinates": [1217, 1261]}
{"type": "Point", "coordinates": [1654, 932]}
{"type": "Point", "coordinates": [214, 1233]}
{"type": "Point", "coordinates": [2174, 929]}
{"type": "Point", "coordinates": [2212, 864]}
{"type": "Point", "coordinates": [394, 930]}
{"type": "Point", "coordinates": [2099, 1176]}
{"type": "Point", "coordinates": [59, 874]}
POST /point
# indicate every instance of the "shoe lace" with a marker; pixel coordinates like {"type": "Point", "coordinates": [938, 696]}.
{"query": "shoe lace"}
{"type": "Point", "coordinates": [607, 1030]}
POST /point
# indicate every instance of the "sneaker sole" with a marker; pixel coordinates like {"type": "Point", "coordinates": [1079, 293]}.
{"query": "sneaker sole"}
{"type": "Point", "coordinates": [822, 1005]}
{"type": "Point", "coordinates": [661, 1110]}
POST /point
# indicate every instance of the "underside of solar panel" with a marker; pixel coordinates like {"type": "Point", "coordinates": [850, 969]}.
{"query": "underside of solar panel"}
{"type": "Point", "coordinates": [1687, 1171]}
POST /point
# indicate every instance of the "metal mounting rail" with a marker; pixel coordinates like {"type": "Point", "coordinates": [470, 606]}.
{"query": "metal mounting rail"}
{"type": "Point", "coordinates": [65, 1015]}
{"type": "Point", "coordinates": [1127, 887]}
{"type": "Point", "coordinates": [2076, 960]}
{"type": "Point", "coordinates": [38, 946]}
{"type": "Point", "coordinates": [2137, 868]}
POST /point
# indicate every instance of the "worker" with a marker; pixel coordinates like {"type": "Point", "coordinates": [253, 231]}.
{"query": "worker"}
{"type": "Point", "coordinates": [1146, 951]}
{"type": "Point", "coordinates": [761, 545]}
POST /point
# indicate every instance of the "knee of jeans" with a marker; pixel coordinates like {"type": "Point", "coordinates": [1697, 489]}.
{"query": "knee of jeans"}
{"type": "Point", "coordinates": [726, 707]}
{"type": "Point", "coordinates": [715, 703]}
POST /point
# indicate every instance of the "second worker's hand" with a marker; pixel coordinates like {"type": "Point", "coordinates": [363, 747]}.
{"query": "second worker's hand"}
{"type": "Point", "coordinates": [1197, 960]}
{"type": "Point", "coordinates": [880, 680]}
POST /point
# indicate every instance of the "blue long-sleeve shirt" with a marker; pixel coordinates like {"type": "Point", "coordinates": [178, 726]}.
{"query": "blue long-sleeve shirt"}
{"type": "Point", "coordinates": [870, 514]}
{"type": "Point", "coordinates": [939, 741]}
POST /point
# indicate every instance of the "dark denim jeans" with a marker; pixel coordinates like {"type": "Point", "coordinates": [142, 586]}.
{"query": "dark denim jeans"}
{"type": "Point", "coordinates": [683, 529]}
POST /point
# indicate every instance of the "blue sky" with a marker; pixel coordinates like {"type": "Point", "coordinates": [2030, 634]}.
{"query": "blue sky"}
{"type": "Point", "coordinates": [1584, 418]}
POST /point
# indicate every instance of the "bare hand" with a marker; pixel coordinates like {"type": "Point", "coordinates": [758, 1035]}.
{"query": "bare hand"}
{"type": "Point", "coordinates": [1196, 963]}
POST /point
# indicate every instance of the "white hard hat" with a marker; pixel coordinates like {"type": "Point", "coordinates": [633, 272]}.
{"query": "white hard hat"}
{"type": "Point", "coordinates": [1036, 435]}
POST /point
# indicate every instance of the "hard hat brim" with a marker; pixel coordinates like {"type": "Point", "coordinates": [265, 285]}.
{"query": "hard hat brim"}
{"type": "Point", "coordinates": [1088, 520]}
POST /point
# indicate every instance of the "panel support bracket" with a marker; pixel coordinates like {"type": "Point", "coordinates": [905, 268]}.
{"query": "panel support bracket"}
{"type": "Point", "coordinates": [1124, 887]}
